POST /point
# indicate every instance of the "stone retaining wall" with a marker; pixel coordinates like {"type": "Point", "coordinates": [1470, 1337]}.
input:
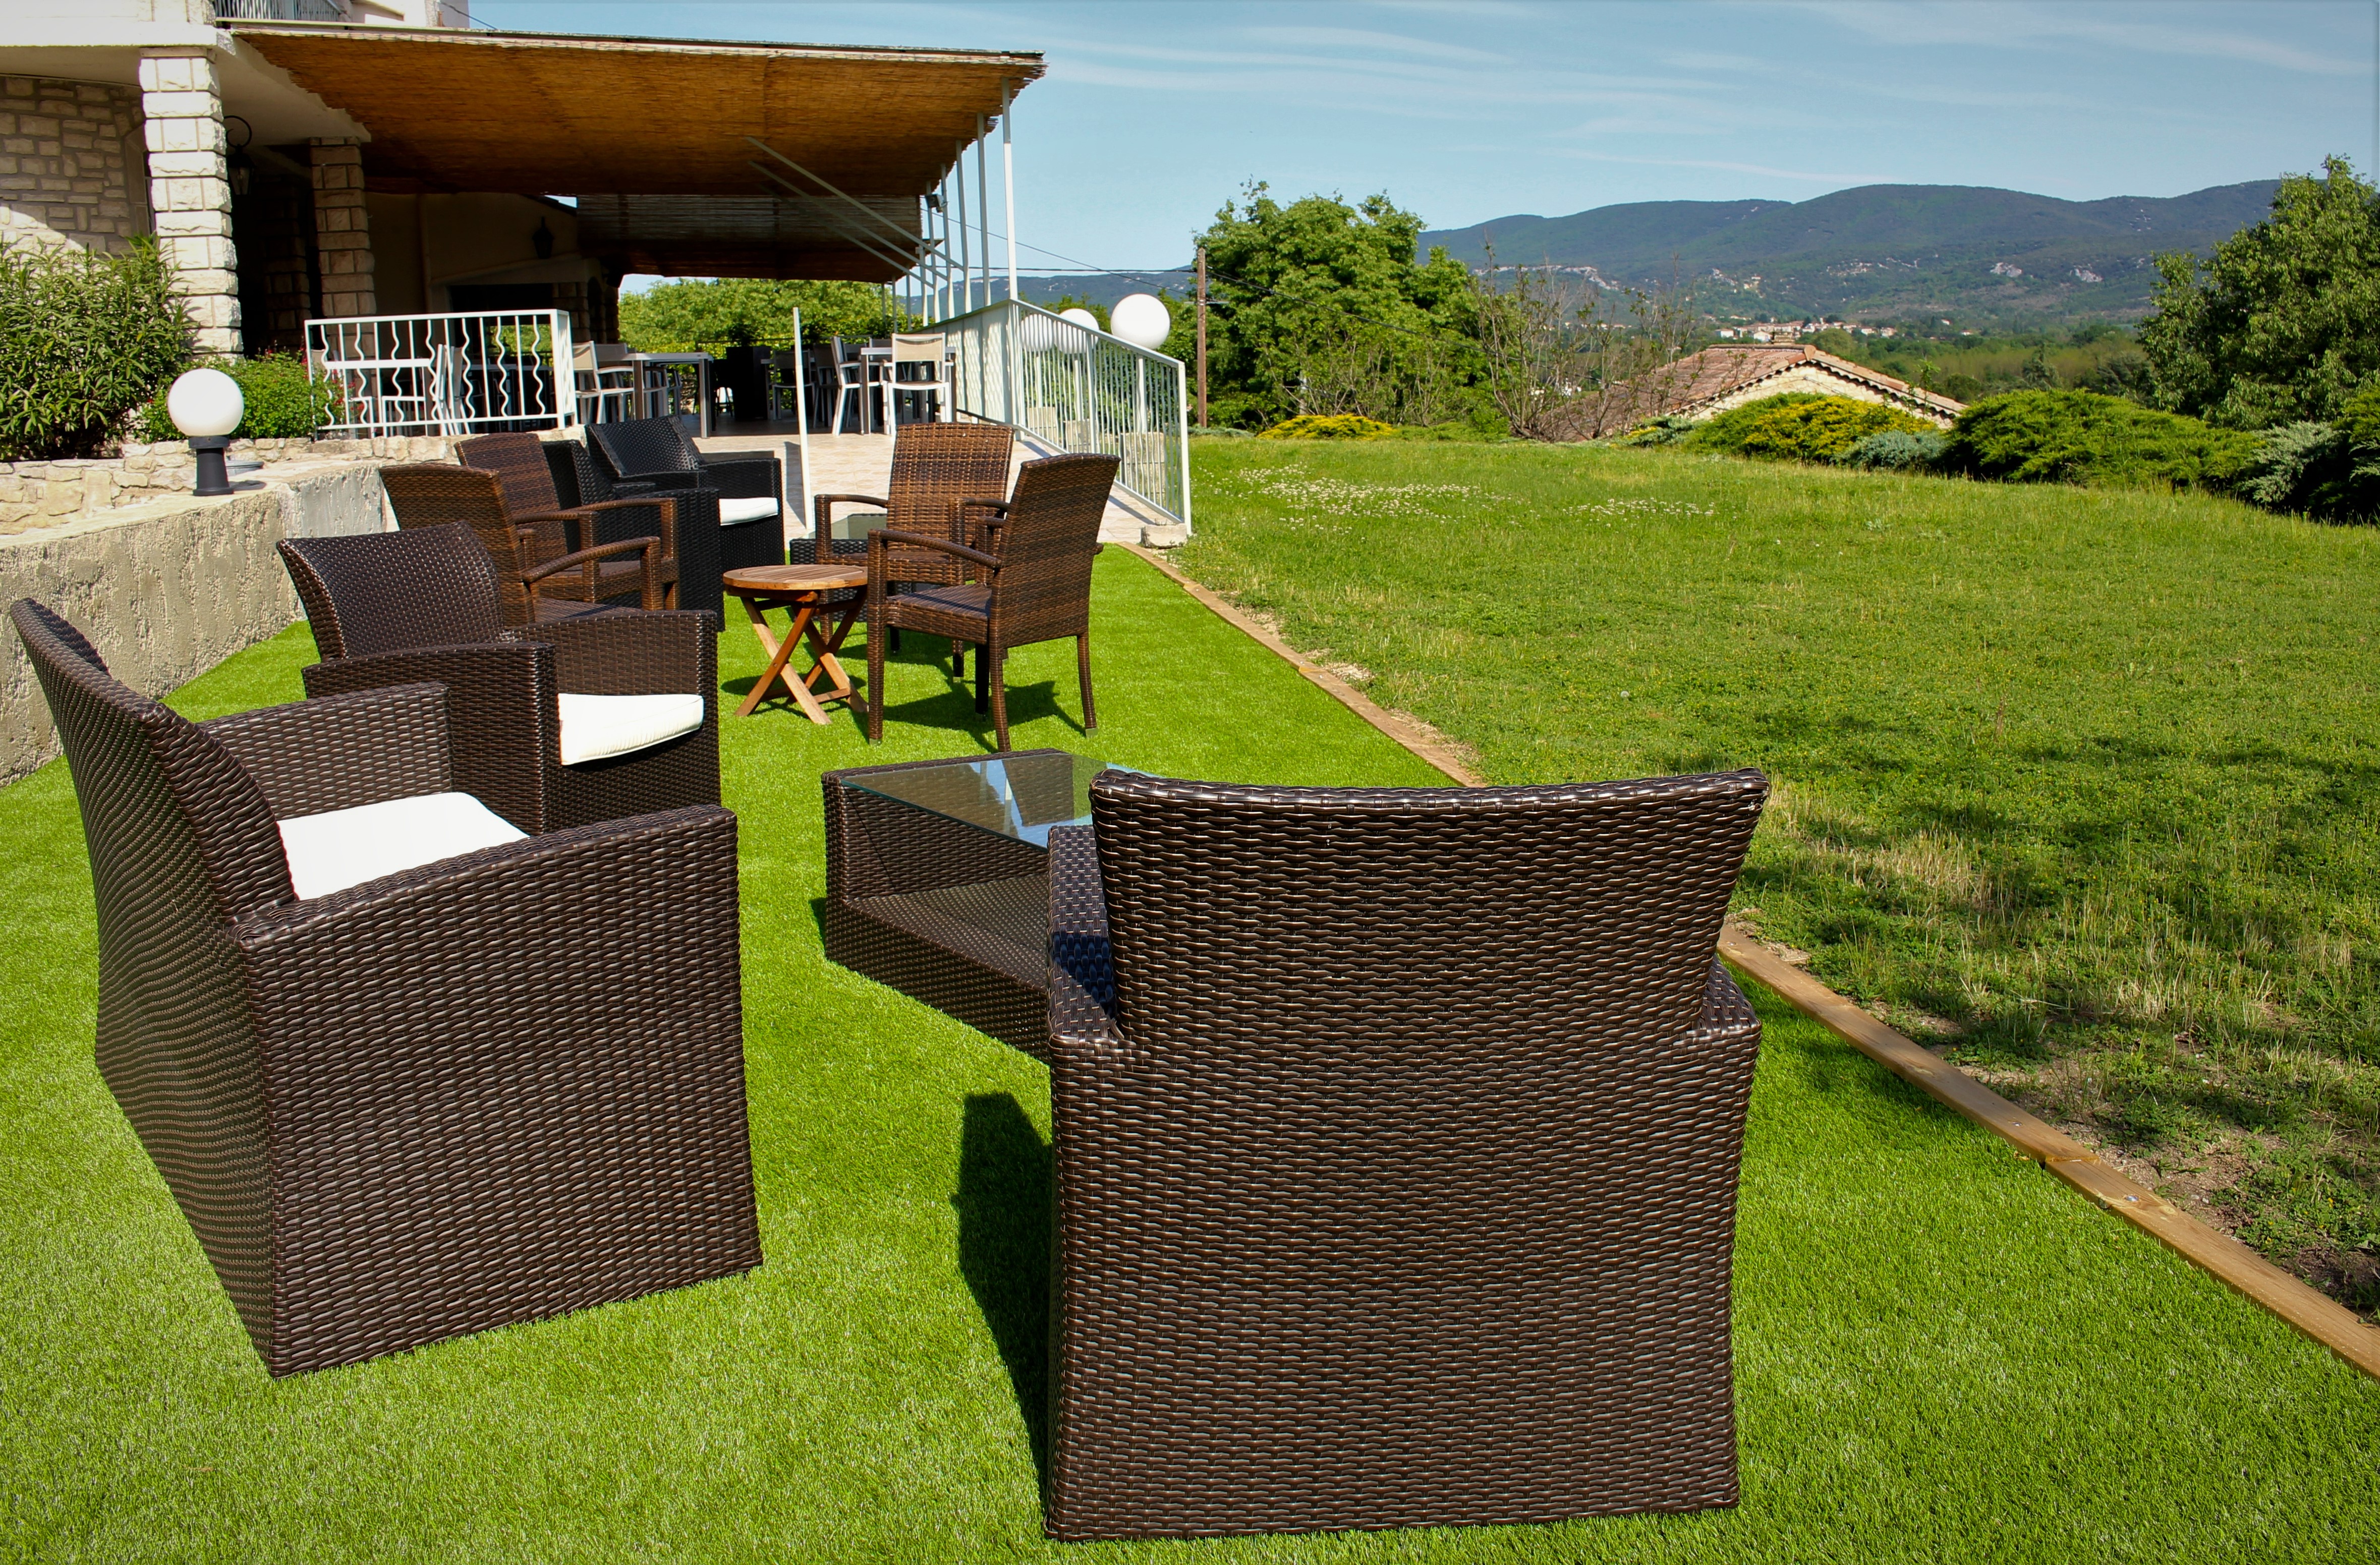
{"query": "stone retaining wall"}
{"type": "Point", "coordinates": [48, 494]}
{"type": "Point", "coordinates": [168, 588]}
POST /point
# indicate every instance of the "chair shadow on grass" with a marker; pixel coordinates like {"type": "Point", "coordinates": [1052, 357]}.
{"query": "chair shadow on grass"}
{"type": "Point", "coordinates": [953, 708]}
{"type": "Point", "coordinates": [1005, 1212]}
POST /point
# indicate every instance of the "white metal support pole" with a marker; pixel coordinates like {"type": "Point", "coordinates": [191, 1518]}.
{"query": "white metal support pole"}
{"type": "Point", "coordinates": [1182, 436]}
{"type": "Point", "coordinates": [983, 206]}
{"type": "Point", "coordinates": [966, 256]}
{"type": "Point", "coordinates": [1008, 172]}
{"type": "Point", "coordinates": [802, 429]}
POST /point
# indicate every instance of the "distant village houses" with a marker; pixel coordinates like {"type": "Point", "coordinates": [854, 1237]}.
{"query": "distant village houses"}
{"type": "Point", "coordinates": [1705, 384]}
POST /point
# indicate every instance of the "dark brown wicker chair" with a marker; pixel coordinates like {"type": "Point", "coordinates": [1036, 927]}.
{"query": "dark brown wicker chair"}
{"type": "Point", "coordinates": [1396, 1139]}
{"type": "Point", "coordinates": [750, 485]}
{"type": "Point", "coordinates": [530, 496]}
{"type": "Point", "coordinates": [541, 577]}
{"type": "Point", "coordinates": [1034, 581]}
{"type": "Point", "coordinates": [481, 1090]}
{"type": "Point", "coordinates": [420, 605]}
{"type": "Point", "coordinates": [580, 478]}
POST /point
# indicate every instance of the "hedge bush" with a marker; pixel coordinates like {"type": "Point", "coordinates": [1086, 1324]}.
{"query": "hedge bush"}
{"type": "Point", "coordinates": [1803, 426]}
{"type": "Point", "coordinates": [1328, 426]}
{"type": "Point", "coordinates": [85, 340]}
{"type": "Point", "coordinates": [279, 401]}
{"type": "Point", "coordinates": [2083, 438]}
{"type": "Point", "coordinates": [1903, 450]}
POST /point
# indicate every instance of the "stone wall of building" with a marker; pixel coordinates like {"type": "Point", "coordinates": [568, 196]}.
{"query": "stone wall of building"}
{"type": "Point", "coordinates": [343, 229]}
{"type": "Point", "coordinates": [167, 590]}
{"type": "Point", "coordinates": [49, 494]}
{"type": "Point", "coordinates": [70, 165]}
{"type": "Point", "coordinates": [190, 190]}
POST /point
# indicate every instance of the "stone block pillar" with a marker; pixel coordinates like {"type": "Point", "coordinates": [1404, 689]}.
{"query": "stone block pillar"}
{"type": "Point", "coordinates": [190, 189]}
{"type": "Point", "coordinates": [343, 229]}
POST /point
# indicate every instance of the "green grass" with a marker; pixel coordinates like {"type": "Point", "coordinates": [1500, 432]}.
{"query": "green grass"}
{"type": "Point", "coordinates": [2092, 776]}
{"type": "Point", "coordinates": [1941, 1353]}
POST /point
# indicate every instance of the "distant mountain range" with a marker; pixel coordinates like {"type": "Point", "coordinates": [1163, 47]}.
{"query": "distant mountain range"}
{"type": "Point", "coordinates": [1986, 258]}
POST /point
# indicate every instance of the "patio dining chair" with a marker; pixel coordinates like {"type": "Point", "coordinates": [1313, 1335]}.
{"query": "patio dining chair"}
{"type": "Point", "coordinates": [1396, 1136]}
{"type": "Point", "coordinates": [935, 466]}
{"type": "Point", "coordinates": [558, 724]}
{"type": "Point", "coordinates": [540, 578]}
{"type": "Point", "coordinates": [913, 351]}
{"type": "Point", "coordinates": [409, 1071]}
{"type": "Point", "coordinates": [525, 480]}
{"type": "Point", "coordinates": [1033, 581]}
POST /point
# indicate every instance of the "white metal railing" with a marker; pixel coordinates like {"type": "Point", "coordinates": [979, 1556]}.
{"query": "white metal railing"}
{"type": "Point", "coordinates": [1078, 390]}
{"type": "Point", "coordinates": [446, 374]}
{"type": "Point", "coordinates": [281, 10]}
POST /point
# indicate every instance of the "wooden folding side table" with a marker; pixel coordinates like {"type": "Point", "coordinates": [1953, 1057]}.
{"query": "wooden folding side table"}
{"type": "Point", "coordinates": [804, 590]}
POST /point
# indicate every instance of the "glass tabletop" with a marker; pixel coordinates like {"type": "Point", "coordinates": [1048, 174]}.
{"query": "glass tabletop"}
{"type": "Point", "coordinates": [1019, 796]}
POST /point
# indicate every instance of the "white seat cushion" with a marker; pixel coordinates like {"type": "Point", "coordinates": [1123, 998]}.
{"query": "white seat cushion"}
{"type": "Point", "coordinates": [596, 727]}
{"type": "Point", "coordinates": [747, 510]}
{"type": "Point", "coordinates": [340, 848]}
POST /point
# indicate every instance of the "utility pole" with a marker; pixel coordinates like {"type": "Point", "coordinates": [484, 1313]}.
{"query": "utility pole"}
{"type": "Point", "coordinates": [1202, 336]}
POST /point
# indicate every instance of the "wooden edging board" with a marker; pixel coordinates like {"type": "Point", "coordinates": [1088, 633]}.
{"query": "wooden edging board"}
{"type": "Point", "coordinates": [2306, 1309]}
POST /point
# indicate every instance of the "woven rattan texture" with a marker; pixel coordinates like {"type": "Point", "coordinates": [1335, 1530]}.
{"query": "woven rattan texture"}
{"type": "Point", "coordinates": [417, 586]}
{"type": "Point", "coordinates": [582, 479]}
{"type": "Point", "coordinates": [906, 905]}
{"type": "Point", "coordinates": [653, 448]}
{"type": "Point", "coordinates": [492, 1088]}
{"type": "Point", "coordinates": [525, 479]}
{"type": "Point", "coordinates": [1400, 1189]}
{"type": "Point", "coordinates": [396, 590]}
{"type": "Point", "coordinates": [311, 757]}
{"type": "Point", "coordinates": [934, 468]}
{"type": "Point", "coordinates": [1040, 590]}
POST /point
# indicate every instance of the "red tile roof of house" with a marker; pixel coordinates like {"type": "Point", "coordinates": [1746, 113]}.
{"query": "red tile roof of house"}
{"type": "Point", "coordinates": [1692, 383]}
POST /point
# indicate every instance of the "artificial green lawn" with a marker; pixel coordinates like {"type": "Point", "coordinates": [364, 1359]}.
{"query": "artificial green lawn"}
{"type": "Point", "coordinates": [1941, 1353]}
{"type": "Point", "coordinates": [2092, 775]}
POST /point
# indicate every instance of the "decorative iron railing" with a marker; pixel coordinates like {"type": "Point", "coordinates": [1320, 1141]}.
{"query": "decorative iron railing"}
{"type": "Point", "coordinates": [446, 374]}
{"type": "Point", "coordinates": [1078, 390]}
{"type": "Point", "coordinates": [281, 10]}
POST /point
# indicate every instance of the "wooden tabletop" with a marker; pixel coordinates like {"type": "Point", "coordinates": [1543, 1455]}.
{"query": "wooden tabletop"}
{"type": "Point", "coordinates": [789, 579]}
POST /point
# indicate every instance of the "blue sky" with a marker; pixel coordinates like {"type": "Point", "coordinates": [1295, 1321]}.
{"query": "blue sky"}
{"type": "Point", "coordinates": [1154, 113]}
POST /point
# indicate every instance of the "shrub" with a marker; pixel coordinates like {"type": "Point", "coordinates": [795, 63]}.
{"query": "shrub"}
{"type": "Point", "coordinates": [279, 401]}
{"type": "Point", "coordinates": [84, 340]}
{"type": "Point", "coordinates": [1659, 432]}
{"type": "Point", "coordinates": [2330, 471]}
{"type": "Point", "coordinates": [1905, 450]}
{"type": "Point", "coordinates": [2083, 437]}
{"type": "Point", "coordinates": [1800, 426]}
{"type": "Point", "coordinates": [1328, 426]}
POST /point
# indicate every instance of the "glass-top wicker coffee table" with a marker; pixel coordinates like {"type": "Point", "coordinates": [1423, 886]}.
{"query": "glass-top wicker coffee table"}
{"type": "Point", "coordinates": [938, 880]}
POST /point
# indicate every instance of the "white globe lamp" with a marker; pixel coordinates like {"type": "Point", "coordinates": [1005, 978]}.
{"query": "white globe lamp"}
{"type": "Point", "coordinates": [206, 406]}
{"type": "Point", "coordinates": [1141, 320]}
{"type": "Point", "coordinates": [1080, 317]}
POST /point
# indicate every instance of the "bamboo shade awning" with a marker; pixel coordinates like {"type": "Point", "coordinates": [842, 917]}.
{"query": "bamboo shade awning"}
{"type": "Point", "coordinates": [542, 114]}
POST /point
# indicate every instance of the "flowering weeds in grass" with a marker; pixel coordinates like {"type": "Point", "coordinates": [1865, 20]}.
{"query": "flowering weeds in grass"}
{"type": "Point", "coordinates": [2093, 775]}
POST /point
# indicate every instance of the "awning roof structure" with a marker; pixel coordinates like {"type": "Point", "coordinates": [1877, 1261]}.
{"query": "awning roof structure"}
{"type": "Point", "coordinates": [662, 124]}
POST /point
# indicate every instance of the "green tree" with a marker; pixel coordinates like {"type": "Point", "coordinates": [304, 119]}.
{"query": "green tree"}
{"type": "Point", "coordinates": [711, 314]}
{"type": "Point", "coordinates": [1319, 306]}
{"type": "Point", "coordinates": [2284, 325]}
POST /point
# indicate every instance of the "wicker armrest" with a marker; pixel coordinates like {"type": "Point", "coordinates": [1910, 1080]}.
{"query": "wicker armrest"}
{"type": "Point", "coordinates": [667, 479]}
{"type": "Point", "coordinates": [588, 560]}
{"type": "Point", "coordinates": [1082, 988]}
{"type": "Point", "coordinates": [634, 918]}
{"type": "Point", "coordinates": [753, 477]}
{"type": "Point", "coordinates": [823, 509]}
{"type": "Point", "coordinates": [664, 509]}
{"type": "Point", "coordinates": [336, 754]}
{"type": "Point", "coordinates": [664, 653]}
{"type": "Point", "coordinates": [501, 719]}
{"type": "Point", "coordinates": [884, 538]}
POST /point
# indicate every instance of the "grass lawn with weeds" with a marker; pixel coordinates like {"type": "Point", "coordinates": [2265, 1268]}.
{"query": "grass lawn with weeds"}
{"type": "Point", "coordinates": [1941, 1353]}
{"type": "Point", "coordinates": [2084, 784]}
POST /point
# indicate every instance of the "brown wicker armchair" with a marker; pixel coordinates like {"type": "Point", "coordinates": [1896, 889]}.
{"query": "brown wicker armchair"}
{"type": "Point", "coordinates": [538, 733]}
{"type": "Point", "coordinates": [935, 466]}
{"type": "Point", "coordinates": [407, 1080]}
{"type": "Point", "coordinates": [1396, 1139]}
{"type": "Point", "coordinates": [1034, 581]}
{"type": "Point", "coordinates": [530, 496]}
{"type": "Point", "coordinates": [541, 577]}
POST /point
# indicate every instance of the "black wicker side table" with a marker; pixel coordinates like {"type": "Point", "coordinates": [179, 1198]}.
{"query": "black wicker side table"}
{"type": "Point", "coordinates": [938, 880]}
